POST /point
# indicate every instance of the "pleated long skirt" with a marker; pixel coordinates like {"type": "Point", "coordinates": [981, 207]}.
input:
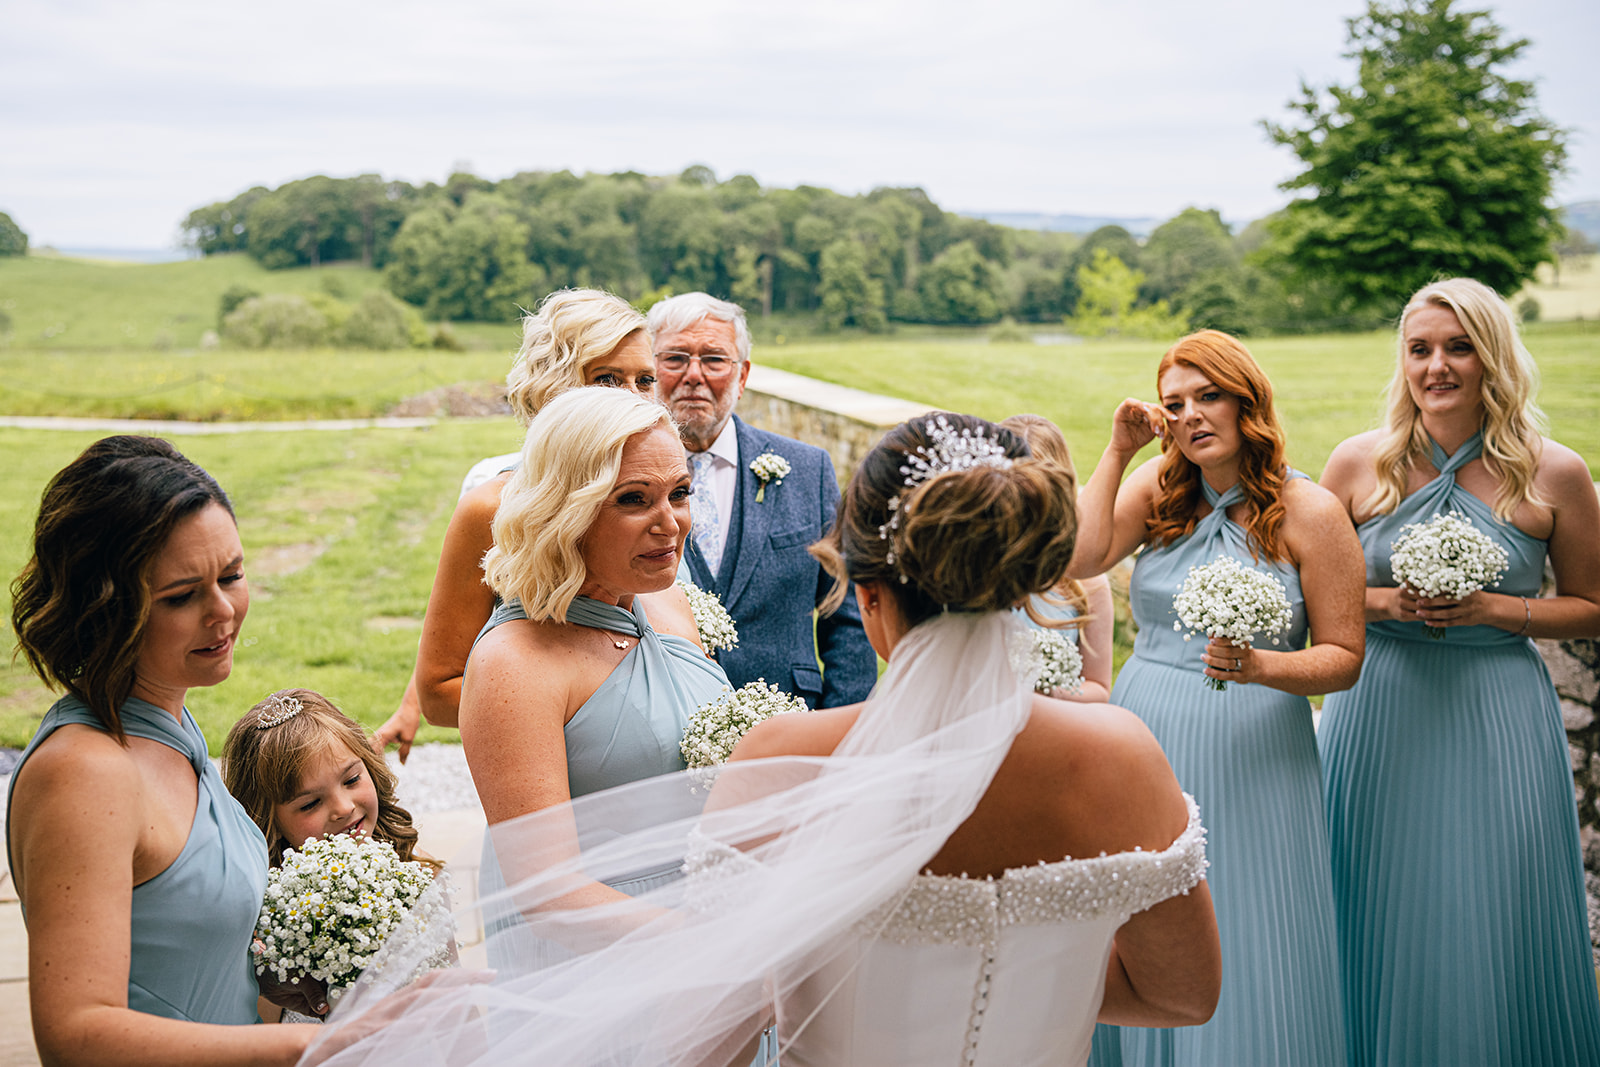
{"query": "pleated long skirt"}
{"type": "Point", "coordinates": [1457, 875]}
{"type": "Point", "coordinates": [1249, 757]}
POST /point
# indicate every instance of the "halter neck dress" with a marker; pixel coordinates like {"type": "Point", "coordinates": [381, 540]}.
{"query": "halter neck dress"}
{"type": "Point", "coordinates": [629, 728]}
{"type": "Point", "coordinates": [192, 923]}
{"type": "Point", "coordinates": [1456, 867]}
{"type": "Point", "coordinates": [1248, 755]}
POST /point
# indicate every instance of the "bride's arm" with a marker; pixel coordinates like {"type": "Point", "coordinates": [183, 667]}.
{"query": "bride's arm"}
{"type": "Point", "coordinates": [1148, 983]}
{"type": "Point", "coordinates": [74, 851]}
{"type": "Point", "coordinates": [1165, 967]}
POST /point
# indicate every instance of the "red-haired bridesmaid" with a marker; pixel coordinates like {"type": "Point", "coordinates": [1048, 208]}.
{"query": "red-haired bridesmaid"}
{"type": "Point", "coordinates": [1221, 487]}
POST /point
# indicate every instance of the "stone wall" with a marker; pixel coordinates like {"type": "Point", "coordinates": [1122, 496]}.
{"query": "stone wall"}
{"type": "Point", "coordinates": [1575, 669]}
{"type": "Point", "coordinates": [844, 422]}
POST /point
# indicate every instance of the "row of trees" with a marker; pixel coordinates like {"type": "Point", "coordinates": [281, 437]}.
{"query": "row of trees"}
{"type": "Point", "coordinates": [1433, 161]}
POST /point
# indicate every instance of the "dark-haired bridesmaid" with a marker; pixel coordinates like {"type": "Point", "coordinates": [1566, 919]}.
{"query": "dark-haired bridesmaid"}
{"type": "Point", "coordinates": [1456, 868]}
{"type": "Point", "coordinates": [139, 876]}
{"type": "Point", "coordinates": [1221, 487]}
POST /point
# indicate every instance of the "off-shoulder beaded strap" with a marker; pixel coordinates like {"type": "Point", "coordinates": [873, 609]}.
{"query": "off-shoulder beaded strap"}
{"type": "Point", "coordinates": [942, 909]}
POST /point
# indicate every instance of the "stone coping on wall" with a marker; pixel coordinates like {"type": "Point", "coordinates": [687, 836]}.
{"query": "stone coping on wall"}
{"type": "Point", "coordinates": [845, 422]}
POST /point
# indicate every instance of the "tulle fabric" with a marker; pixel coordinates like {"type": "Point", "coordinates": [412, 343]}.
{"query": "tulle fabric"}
{"type": "Point", "coordinates": [690, 972]}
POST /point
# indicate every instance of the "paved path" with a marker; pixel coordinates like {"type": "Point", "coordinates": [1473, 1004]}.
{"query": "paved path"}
{"type": "Point", "coordinates": [177, 428]}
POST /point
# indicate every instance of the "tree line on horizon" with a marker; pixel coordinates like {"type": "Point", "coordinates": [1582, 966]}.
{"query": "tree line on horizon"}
{"type": "Point", "coordinates": [1432, 162]}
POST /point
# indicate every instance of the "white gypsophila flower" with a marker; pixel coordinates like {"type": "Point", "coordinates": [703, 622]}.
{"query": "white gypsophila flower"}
{"type": "Point", "coordinates": [1226, 599]}
{"type": "Point", "coordinates": [1447, 556]}
{"type": "Point", "coordinates": [716, 727]}
{"type": "Point", "coordinates": [769, 467]}
{"type": "Point", "coordinates": [716, 627]}
{"type": "Point", "coordinates": [329, 906]}
{"type": "Point", "coordinates": [1062, 663]}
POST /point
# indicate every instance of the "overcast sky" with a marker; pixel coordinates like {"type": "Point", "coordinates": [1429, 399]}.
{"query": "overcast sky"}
{"type": "Point", "coordinates": [117, 118]}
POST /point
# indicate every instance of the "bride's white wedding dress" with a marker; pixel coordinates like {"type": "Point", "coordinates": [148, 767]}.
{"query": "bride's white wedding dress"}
{"type": "Point", "coordinates": [1006, 972]}
{"type": "Point", "coordinates": [819, 915]}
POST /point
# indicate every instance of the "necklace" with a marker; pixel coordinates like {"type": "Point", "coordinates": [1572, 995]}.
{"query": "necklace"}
{"type": "Point", "coordinates": [615, 640]}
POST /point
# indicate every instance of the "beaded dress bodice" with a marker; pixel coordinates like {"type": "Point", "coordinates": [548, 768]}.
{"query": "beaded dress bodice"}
{"type": "Point", "coordinates": [994, 971]}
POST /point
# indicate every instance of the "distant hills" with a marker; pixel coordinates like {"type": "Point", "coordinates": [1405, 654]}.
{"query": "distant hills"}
{"type": "Point", "coordinates": [1031, 220]}
{"type": "Point", "coordinates": [1583, 216]}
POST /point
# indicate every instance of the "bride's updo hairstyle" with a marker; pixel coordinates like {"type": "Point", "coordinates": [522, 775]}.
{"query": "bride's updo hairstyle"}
{"type": "Point", "coordinates": [981, 538]}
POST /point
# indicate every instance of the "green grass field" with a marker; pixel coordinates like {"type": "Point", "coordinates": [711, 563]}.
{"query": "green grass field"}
{"type": "Point", "coordinates": [1326, 387]}
{"type": "Point", "coordinates": [342, 529]}
{"type": "Point", "coordinates": [341, 533]}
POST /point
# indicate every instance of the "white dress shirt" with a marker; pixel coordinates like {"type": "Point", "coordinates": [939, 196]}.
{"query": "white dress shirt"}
{"type": "Point", "coordinates": [725, 477]}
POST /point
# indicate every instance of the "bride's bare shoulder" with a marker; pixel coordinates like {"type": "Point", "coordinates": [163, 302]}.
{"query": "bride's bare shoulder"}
{"type": "Point", "coordinates": [1117, 778]}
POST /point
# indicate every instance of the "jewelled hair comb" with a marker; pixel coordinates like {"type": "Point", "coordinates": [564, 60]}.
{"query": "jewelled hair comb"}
{"type": "Point", "coordinates": [276, 710]}
{"type": "Point", "coordinates": [950, 450]}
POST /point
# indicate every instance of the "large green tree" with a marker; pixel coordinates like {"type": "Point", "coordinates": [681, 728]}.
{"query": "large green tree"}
{"type": "Point", "coordinates": [1434, 161]}
{"type": "Point", "coordinates": [959, 286]}
{"type": "Point", "coordinates": [850, 295]}
{"type": "Point", "coordinates": [13, 242]}
{"type": "Point", "coordinates": [466, 263]}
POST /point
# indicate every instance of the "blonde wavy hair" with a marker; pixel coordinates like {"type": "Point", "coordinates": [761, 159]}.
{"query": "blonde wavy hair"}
{"type": "Point", "coordinates": [1046, 441]}
{"type": "Point", "coordinates": [571, 329]}
{"type": "Point", "coordinates": [569, 465]}
{"type": "Point", "coordinates": [1512, 422]}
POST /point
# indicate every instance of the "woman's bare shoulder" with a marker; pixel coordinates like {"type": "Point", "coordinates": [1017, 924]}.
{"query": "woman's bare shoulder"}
{"type": "Point", "coordinates": [1309, 507]}
{"type": "Point", "coordinates": [74, 754]}
{"type": "Point", "coordinates": [1561, 467]}
{"type": "Point", "coordinates": [524, 648]}
{"type": "Point", "coordinates": [1119, 781]}
{"type": "Point", "coordinates": [1353, 453]}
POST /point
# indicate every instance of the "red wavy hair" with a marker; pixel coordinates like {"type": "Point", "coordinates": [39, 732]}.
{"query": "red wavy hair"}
{"type": "Point", "coordinates": [1231, 368]}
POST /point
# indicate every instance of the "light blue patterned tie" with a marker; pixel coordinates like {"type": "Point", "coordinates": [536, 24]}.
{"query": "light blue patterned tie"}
{"type": "Point", "coordinates": [703, 511]}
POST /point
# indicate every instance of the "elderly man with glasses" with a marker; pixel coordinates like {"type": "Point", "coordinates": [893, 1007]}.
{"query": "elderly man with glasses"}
{"type": "Point", "coordinates": [759, 500]}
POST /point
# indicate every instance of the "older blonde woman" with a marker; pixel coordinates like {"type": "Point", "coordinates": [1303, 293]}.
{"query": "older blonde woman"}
{"type": "Point", "coordinates": [578, 337]}
{"type": "Point", "coordinates": [1456, 867]}
{"type": "Point", "coordinates": [588, 671]}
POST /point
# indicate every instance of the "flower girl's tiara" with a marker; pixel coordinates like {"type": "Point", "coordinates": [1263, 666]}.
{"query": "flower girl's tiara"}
{"type": "Point", "coordinates": [277, 709]}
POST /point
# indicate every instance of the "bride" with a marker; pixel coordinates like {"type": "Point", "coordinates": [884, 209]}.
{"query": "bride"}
{"type": "Point", "coordinates": [891, 883]}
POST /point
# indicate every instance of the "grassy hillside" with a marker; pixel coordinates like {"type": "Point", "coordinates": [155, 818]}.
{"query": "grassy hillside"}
{"type": "Point", "coordinates": [1573, 292]}
{"type": "Point", "coordinates": [61, 303]}
{"type": "Point", "coordinates": [342, 529]}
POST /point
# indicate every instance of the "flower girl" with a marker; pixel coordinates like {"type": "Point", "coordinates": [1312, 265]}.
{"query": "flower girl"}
{"type": "Point", "coordinates": [305, 773]}
{"type": "Point", "coordinates": [303, 769]}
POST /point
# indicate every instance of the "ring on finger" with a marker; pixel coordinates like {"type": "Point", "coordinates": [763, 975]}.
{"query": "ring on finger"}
{"type": "Point", "coordinates": [1237, 665]}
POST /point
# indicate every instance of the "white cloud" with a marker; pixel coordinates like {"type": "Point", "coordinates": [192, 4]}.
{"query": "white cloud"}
{"type": "Point", "coordinates": [119, 118]}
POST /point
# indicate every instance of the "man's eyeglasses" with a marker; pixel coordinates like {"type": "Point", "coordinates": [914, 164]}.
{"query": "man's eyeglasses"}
{"type": "Point", "coordinates": [712, 366]}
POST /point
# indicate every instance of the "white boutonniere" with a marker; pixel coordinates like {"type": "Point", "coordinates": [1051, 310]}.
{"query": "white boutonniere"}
{"type": "Point", "coordinates": [769, 467]}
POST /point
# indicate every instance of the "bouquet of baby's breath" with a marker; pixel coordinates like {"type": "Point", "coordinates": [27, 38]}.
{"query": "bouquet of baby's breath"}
{"type": "Point", "coordinates": [330, 906]}
{"type": "Point", "coordinates": [1229, 600]}
{"type": "Point", "coordinates": [716, 727]}
{"type": "Point", "coordinates": [710, 618]}
{"type": "Point", "coordinates": [1061, 664]}
{"type": "Point", "coordinates": [1445, 556]}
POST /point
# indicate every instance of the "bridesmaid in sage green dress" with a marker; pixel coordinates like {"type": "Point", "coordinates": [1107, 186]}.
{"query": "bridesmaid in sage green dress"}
{"type": "Point", "coordinates": [1457, 873]}
{"type": "Point", "coordinates": [1221, 487]}
{"type": "Point", "coordinates": [139, 876]}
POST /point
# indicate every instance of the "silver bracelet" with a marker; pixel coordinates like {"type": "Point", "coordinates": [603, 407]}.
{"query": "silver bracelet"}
{"type": "Point", "coordinates": [1527, 617]}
